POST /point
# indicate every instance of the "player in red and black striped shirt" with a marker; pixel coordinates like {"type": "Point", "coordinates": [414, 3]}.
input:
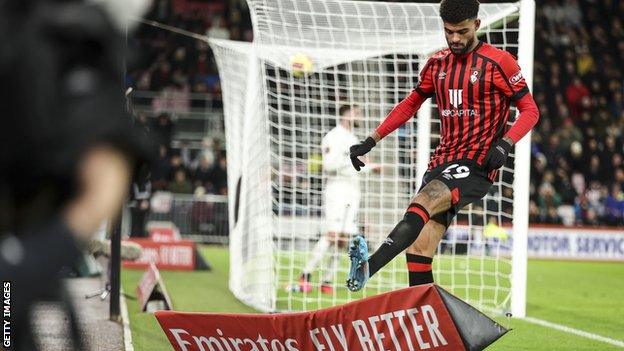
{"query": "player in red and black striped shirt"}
{"type": "Point", "coordinates": [474, 85]}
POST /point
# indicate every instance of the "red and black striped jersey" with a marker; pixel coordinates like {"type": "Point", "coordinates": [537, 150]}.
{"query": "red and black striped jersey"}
{"type": "Point", "coordinates": [473, 93]}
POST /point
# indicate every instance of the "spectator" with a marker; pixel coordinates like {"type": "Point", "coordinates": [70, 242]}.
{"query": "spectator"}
{"type": "Point", "coordinates": [575, 157]}
{"type": "Point", "coordinates": [202, 212]}
{"type": "Point", "coordinates": [575, 93]}
{"type": "Point", "coordinates": [547, 200]}
{"type": "Point", "coordinates": [207, 151]}
{"type": "Point", "coordinates": [591, 218]}
{"type": "Point", "coordinates": [176, 165]}
{"type": "Point", "coordinates": [218, 176]}
{"type": "Point", "coordinates": [219, 29]}
{"type": "Point", "coordinates": [534, 213]}
{"type": "Point", "coordinates": [163, 130]}
{"type": "Point", "coordinates": [584, 61]}
{"type": "Point", "coordinates": [161, 170]}
{"type": "Point", "coordinates": [614, 206]}
{"type": "Point", "coordinates": [568, 133]}
{"type": "Point", "coordinates": [203, 174]}
{"type": "Point", "coordinates": [160, 78]}
{"type": "Point", "coordinates": [186, 155]}
{"type": "Point", "coordinates": [595, 172]}
{"type": "Point", "coordinates": [181, 185]}
{"type": "Point", "coordinates": [140, 194]}
{"type": "Point", "coordinates": [596, 195]}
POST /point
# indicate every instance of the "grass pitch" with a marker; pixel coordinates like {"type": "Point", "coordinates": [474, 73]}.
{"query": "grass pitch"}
{"type": "Point", "coordinates": [582, 295]}
{"type": "Point", "coordinates": [481, 281]}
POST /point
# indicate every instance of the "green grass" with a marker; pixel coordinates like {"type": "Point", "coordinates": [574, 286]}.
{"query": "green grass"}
{"type": "Point", "coordinates": [583, 295]}
{"type": "Point", "coordinates": [587, 296]}
{"type": "Point", "coordinates": [199, 291]}
{"type": "Point", "coordinates": [450, 272]}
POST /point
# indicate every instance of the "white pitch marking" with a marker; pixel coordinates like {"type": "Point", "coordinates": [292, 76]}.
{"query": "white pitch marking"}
{"type": "Point", "coordinates": [127, 333]}
{"type": "Point", "coordinates": [566, 329]}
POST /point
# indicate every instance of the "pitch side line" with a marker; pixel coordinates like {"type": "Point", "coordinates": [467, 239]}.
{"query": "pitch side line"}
{"type": "Point", "coordinates": [574, 331]}
{"type": "Point", "coordinates": [127, 333]}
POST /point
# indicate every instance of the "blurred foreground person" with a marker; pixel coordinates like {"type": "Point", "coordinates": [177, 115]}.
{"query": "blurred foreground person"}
{"type": "Point", "coordinates": [67, 151]}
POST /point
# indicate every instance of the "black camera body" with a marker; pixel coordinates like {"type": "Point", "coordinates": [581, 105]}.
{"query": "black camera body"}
{"type": "Point", "coordinates": [62, 90]}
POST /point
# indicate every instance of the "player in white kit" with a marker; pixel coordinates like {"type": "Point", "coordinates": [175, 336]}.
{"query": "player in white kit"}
{"type": "Point", "coordinates": [341, 199]}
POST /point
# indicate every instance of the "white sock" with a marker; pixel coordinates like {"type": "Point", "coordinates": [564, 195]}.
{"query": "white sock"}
{"type": "Point", "coordinates": [318, 252]}
{"type": "Point", "coordinates": [332, 266]}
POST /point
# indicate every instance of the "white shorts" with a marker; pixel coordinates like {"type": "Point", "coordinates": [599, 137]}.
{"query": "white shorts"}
{"type": "Point", "coordinates": [341, 205]}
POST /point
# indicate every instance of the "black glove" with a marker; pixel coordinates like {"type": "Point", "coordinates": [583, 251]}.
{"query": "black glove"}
{"type": "Point", "coordinates": [360, 149]}
{"type": "Point", "coordinates": [496, 155]}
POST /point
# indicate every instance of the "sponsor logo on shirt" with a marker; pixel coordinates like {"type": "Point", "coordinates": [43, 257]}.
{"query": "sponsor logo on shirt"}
{"type": "Point", "coordinates": [460, 113]}
{"type": "Point", "coordinates": [455, 97]}
{"type": "Point", "coordinates": [516, 78]}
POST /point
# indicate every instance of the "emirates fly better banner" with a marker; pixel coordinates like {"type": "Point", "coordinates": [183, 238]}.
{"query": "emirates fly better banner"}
{"type": "Point", "coordinates": [411, 319]}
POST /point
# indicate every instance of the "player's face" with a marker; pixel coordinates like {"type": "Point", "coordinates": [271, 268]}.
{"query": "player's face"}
{"type": "Point", "coordinates": [460, 37]}
{"type": "Point", "coordinates": [354, 116]}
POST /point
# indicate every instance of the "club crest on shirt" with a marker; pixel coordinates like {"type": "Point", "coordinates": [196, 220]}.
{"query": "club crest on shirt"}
{"type": "Point", "coordinates": [442, 75]}
{"type": "Point", "coordinates": [475, 73]}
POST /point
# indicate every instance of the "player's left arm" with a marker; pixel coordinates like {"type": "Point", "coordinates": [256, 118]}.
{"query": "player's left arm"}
{"type": "Point", "coordinates": [514, 86]}
{"type": "Point", "coordinates": [508, 78]}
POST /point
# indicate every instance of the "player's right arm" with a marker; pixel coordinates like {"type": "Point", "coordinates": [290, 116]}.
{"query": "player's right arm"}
{"type": "Point", "coordinates": [400, 114]}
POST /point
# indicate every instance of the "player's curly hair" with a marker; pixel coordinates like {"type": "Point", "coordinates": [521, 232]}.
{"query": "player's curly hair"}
{"type": "Point", "coordinates": [455, 11]}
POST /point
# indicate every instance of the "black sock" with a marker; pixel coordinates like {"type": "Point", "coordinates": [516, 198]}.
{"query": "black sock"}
{"type": "Point", "coordinates": [401, 237]}
{"type": "Point", "coordinates": [419, 269]}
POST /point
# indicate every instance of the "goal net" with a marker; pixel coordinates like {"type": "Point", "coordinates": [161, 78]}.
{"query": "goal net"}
{"type": "Point", "coordinates": [365, 54]}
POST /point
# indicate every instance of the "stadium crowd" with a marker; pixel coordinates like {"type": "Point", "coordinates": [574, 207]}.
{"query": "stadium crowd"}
{"type": "Point", "coordinates": [184, 170]}
{"type": "Point", "coordinates": [577, 171]}
{"type": "Point", "coordinates": [174, 66]}
{"type": "Point", "coordinates": [577, 174]}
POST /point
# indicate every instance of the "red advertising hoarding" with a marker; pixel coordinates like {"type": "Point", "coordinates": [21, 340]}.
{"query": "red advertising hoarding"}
{"type": "Point", "coordinates": [408, 319]}
{"type": "Point", "coordinates": [176, 255]}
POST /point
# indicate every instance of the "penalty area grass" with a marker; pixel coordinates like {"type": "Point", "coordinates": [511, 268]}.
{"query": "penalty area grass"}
{"type": "Point", "coordinates": [582, 295]}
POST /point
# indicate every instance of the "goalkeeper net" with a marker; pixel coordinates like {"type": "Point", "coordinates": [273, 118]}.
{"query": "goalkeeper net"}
{"type": "Point", "coordinates": [364, 54]}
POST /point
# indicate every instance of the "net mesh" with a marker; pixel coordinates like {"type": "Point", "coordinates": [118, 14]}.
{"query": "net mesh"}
{"type": "Point", "coordinates": [366, 54]}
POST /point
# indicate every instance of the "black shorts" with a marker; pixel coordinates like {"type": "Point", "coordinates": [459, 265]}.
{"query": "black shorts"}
{"type": "Point", "coordinates": [467, 181]}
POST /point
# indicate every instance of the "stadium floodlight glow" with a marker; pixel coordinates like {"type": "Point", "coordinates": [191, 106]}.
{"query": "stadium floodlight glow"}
{"type": "Point", "coordinates": [366, 54]}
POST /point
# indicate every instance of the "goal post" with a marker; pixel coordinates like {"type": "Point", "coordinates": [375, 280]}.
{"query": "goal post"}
{"type": "Point", "coordinates": [522, 169]}
{"type": "Point", "coordinates": [365, 54]}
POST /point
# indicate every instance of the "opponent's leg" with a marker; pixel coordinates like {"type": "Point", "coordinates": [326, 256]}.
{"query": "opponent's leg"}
{"type": "Point", "coordinates": [330, 272]}
{"type": "Point", "coordinates": [420, 254]}
{"type": "Point", "coordinates": [318, 252]}
{"type": "Point", "coordinates": [337, 244]}
{"type": "Point", "coordinates": [434, 198]}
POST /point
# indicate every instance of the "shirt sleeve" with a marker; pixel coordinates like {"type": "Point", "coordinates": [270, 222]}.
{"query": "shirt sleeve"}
{"type": "Point", "coordinates": [508, 78]}
{"type": "Point", "coordinates": [529, 115]}
{"type": "Point", "coordinates": [425, 82]}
